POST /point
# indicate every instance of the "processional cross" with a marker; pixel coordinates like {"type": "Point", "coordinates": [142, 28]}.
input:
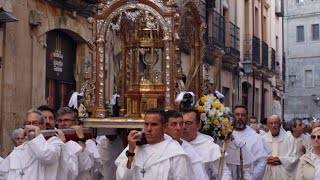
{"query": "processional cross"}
{"type": "Point", "coordinates": [21, 173]}
{"type": "Point", "coordinates": [143, 171]}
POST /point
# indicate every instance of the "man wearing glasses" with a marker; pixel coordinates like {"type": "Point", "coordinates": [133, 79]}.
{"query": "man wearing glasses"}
{"type": "Point", "coordinates": [173, 128]}
{"type": "Point", "coordinates": [252, 146]}
{"type": "Point", "coordinates": [67, 118]}
{"type": "Point", "coordinates": [203, 144]}
{"type": "Point", "coordinates": [280, 162]}
{"type": "Point", "coordinates": [32, 159]}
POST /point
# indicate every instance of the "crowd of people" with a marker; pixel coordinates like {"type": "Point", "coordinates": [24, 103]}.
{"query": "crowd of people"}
{"type": "Point", "coordinates": [169, 147]}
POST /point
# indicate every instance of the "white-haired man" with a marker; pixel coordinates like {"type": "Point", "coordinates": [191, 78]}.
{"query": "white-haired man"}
{"type": "Point", "coordinates": [17, 137]}
{"type": "Point", "coordinates": [31, 159]}
{"type": "Point", "coordinates": [280, 163]}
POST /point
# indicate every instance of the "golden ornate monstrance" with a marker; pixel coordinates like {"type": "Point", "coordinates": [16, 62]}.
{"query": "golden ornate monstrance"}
{"type": "Point", "coordinates": [136, 53]}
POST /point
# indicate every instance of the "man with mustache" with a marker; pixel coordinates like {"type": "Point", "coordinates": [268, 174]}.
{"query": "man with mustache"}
{"type": "Point", "coordinates": [252, 145]}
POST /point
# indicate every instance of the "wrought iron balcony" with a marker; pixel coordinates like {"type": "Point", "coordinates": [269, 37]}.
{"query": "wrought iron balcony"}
{"type": "Point", "coordinates": [232, 40]}
{"type": "Point", "coordinates": [265, 55]}
{"type": "Point", "coordinates": [252, 48]}
{"type": "Point", "coordinates": [215, 35]}
{"type": "Point", "coordinates": [86, 8]}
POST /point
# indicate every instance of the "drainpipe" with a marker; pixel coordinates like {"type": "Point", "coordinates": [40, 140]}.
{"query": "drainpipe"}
{"type": "Point", "coordinates": [262, 78]}
{"type": "Point", "coordinates": [253, 72]}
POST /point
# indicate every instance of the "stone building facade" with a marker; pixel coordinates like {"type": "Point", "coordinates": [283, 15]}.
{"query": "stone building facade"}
{"type": "Point", "coordinates": [260, 47]}
{"type": "Point", "coordinates": [301, 29]}
{"type": "Point", "coordinates": [23, 81]}
{"type": "Point", "coordinates": [47, 52]}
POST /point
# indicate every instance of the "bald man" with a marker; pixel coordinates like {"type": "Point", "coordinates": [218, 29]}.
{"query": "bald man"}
{"type": "Point", "coordinates": [281, 160]}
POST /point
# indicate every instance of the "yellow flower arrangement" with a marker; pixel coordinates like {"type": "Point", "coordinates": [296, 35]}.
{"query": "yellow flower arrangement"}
{"type": "Point", "coordinates": [216, 119]}
{"type": "Point", "coordinates": [203, 99]}
{"type": "Point", "coordinates": [200, 109]}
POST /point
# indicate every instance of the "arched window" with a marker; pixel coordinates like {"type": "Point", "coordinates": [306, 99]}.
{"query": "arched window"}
{"type": "Point", "coordinates": [60, 63]}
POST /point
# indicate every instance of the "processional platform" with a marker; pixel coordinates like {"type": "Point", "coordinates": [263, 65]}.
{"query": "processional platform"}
{"type": "Point", "coordinates": [113, 122]}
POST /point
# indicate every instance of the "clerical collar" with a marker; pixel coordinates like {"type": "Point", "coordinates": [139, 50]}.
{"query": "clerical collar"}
{"type": "Point", "coordinates": [275, 135]}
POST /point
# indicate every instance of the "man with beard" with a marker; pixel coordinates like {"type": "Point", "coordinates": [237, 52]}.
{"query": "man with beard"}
{"type": "Point", "coordinates": [49, 115]}
{"type": "Point", "coordinates": [280, 163]}
{"type": "Point", "coordinates": [252, 145]}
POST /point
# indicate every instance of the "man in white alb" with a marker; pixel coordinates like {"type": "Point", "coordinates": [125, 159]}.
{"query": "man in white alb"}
{"type": "Point", "coordinates": [160, 159]}
{"type": "Point", "coordinates": [253, 148]}
{"type": "Point", "coordinates": [280, 163]}
{"type": "Point", "coordinates": [173, 128]}
{"type": "Point", "coordinates": [31, 159]}
{"type": "Point", "coordinates": [302, 141]}
{"type": "Point", "coordinates": [204, 145]}
{"type": "Point", "coordinates": [89, 155]}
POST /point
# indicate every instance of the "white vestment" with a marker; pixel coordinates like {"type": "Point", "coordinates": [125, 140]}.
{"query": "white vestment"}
{"type": "Point", "coordinates": [109, 151]}
{"type": "Point", "coordinates": [303, 139]}
{"type": "Point", "coordinates": [162, 161]}
{"type": "Point", "coordinates": [299, 141]}
{"type": "Point", "coordinates": [210, 153]}
{"type": "Point", "coordinates": [257, 155]}
{"type": "Point", "coordinates": [66, 168]}
{"type": "Point", "coordinates": [29, 160]}
{"type": "Point", "coordinates": [284, 148]}
{"type": "Point", "coordinates": [196, 161]}
{"type": "Point", "coordinates": [87, 159]}
{"type": "Point", "coordinates": [2, 175]}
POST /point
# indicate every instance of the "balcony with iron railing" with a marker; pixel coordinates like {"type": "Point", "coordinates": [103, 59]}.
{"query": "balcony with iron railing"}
{"type": "Point", "coordinates": [265, 55]}
{"type": "Point", "coordinates": [232, 45]}
{"type": "Point", "coordinates": [86, 8]}
{"type": "Point", "coordinates": [251, 47]}
{"type": "Point", "coordinates": [215, 34]}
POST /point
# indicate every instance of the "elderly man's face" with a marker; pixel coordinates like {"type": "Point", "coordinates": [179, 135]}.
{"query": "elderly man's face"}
{"type": "Point", "coordinates": [274, 125]}
{"type": "Point", "coordinates": [20, 139]}
{"type": "Point", "coordinates": [35, 120]}
{"type": "Point", "coordinates": [65, 121]}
